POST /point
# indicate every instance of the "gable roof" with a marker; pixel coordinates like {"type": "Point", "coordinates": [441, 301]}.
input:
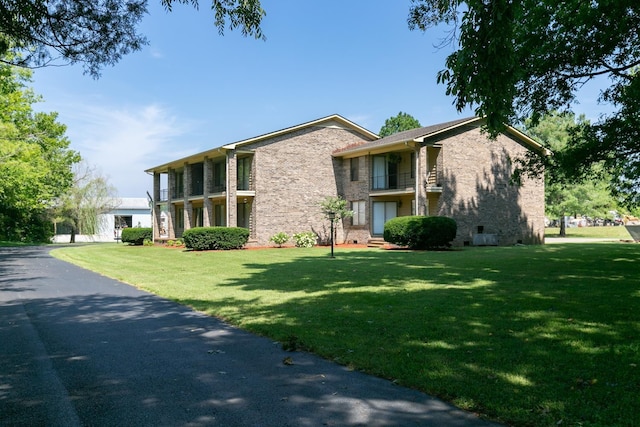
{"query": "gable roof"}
{"type": "Point", "coordinates": [324, 121]}
{"type": "Point", "coordinates": [421, 135]}
{"type": "Point", "coordinates": [332, 121]}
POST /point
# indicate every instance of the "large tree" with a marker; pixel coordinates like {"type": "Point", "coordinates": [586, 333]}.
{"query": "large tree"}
{"type": "Point", "coordinates": [399, 123]}
{"type": "Point", "coordinates": [564, 196]}
{"type": "Point", "coordinates": [35, 159]}
{"type": "Point", "coordinates": [525, 58]}
{"type": "Point", "coordinates": [96, 33]}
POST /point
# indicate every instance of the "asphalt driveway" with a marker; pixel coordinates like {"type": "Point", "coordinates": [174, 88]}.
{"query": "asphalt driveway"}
{"type": "Point", "coordinates": [77, 348]}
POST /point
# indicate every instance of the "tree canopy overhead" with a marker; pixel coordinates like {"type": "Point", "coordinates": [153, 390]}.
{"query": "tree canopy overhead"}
{"type": "Point", "coordinates": [525, 58]}
{"type": "Point", "coordinates": [35, 159]}
{"type": "Point", "coordinates": [96, 33]}
{"type": "Point", "coordinates": [591, 197]}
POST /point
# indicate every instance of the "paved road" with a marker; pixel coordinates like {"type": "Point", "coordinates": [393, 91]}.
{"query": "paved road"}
{"type": "Point", "coordinates": [78, 349]}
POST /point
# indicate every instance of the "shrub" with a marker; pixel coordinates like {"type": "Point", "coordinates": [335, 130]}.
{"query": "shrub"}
{"type": "Point", "coordinates": [177, 242]}
{"type": "Point", "coordinates": [420, 232]}
{"type": "Point", "coordinates": [306, 239]}
{"type": "Point", "coordinates": [279, 238]}
{"type": "Point", "coordinates": [215, 238]}
{"type": "Point", "coordinates": [136, 235]}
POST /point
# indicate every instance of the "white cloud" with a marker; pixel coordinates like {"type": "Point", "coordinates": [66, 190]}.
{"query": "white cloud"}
{"type": "Point", "coordinates": [156, 53]}
{"type": "Point", "coordinates": [123, 142]}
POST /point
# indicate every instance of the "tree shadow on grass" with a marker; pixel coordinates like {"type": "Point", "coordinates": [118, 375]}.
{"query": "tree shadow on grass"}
{"type": "Point", "coordinates": [103, 353]}
{"type": "Point", "coordinates": [511, 332]}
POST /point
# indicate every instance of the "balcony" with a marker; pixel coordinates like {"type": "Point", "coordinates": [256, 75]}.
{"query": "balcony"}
{"type": "Point", "coordinates": [196, 190]}
{"type": "Point", "coordinates": [431, 184]}
{"type": "Point", "coordinates": [395, 181]}
{"type": "Point", "coordinates": [219, 188]}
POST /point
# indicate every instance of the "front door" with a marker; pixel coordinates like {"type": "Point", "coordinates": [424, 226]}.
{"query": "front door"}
{"type": "Point", "coordinates": [383, 212]}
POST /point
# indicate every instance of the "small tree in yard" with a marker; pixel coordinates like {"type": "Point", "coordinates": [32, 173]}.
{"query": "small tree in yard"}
{"type": "Point", "coordinates": [80, 206]}
{"type": "Point", "coordinates": [336, 206]}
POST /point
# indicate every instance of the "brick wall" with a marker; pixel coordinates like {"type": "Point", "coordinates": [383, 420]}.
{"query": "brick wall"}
{"type": "Point", "coordinates": [293, 173]}
{"type": "Point", "coordinates": [477, 190]}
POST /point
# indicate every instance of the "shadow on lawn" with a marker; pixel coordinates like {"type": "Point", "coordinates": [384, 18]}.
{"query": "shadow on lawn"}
{"type": "Point", "coordinates": [102, 353]}
{"type": "Point", "coordinates": [546, 330]}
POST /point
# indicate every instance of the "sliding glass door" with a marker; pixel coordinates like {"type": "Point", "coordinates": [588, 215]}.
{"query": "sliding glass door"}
{"type": "Point", "coordinates": [382, 212]}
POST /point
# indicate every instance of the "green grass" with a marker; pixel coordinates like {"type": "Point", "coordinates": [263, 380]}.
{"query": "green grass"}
{"type": "Point", "coordinates": [618, 232]}
{"type": "Point", "coordinates": [529, 336]}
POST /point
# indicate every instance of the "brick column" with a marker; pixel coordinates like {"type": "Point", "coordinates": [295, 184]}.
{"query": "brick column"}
{"type": "Point", "coordinates": [422, 170]}
{"type": "Point", "coordinates": [171, 208]}
{"type": "Point", "coordinates": [207, 206]}
{"type": "Point", "coordinates": [187, 191]}
{"type": "Point", "coordinates": [155, 206]}
{"type": "Point", "coordinates": [232, 189]}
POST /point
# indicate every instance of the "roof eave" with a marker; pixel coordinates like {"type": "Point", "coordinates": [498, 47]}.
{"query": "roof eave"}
{"type": "Point", "coordinates": [334, 117]}
{"type": "Point", "coordinates": [211, 153]}
{"type": "Point", "coordinates": [472, 120]}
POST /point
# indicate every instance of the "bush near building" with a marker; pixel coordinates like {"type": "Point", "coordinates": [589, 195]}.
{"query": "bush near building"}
{"type": "Point", "coordinates": [215, 238]}
{"type": "Point", "coordinates": [420, 232]}
{"type": "Point", "coordinates": [136, 235]}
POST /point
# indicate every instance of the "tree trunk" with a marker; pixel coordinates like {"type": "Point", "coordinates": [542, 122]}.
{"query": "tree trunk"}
{"type": "Point", "coordinates": [73, 235]}
{"type": "Point", "coordinates": [563, 227]}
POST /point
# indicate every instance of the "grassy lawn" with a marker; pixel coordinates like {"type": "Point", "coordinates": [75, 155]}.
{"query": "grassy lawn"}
{"type": "Point", "coordinates": [618, 232]}
{"type": "Point", "coordinates": [530, 336]}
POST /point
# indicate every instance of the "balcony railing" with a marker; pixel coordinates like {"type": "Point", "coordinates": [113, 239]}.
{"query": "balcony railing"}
{"type": "Point", "coordinates": [218, 188]}
{"type": "Point", "coordinates": [164, 195]}
{"type": "Point", "coordinates": [197, 191]}
{"type": "Point", "coordinates": [392, 181]}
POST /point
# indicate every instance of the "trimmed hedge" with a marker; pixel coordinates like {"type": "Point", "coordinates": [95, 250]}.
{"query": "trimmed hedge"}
{"type": "Point", "coordinates": [421, 232]}
{"type": "Point", "coordinates": [215, 238]}
{"type": "Point", "coordinates": [136, 235]}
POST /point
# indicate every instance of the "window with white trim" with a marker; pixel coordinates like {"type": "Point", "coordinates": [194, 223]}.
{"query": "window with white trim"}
{"type": "Point", "coordinates": [358, 207]}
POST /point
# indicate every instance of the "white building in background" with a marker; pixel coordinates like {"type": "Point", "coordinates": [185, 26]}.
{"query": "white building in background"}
{"type": "Point", "coordinates": [131, 212]}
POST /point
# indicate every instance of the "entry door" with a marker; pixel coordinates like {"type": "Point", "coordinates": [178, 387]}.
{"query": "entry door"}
{"type": "Point", "coordinates": [383, 212]}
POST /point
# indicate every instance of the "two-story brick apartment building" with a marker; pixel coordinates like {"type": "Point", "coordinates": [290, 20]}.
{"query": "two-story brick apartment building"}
{"type": "Point", "coordinates": [275, 182]}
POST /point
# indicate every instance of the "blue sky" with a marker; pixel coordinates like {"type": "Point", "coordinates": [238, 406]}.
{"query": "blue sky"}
{"type": "Point", "coordinates": [191, 89]}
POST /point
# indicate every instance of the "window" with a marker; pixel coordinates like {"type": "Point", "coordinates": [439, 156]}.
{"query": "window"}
{"type": "Point", "coordinates": [198, 217]}
{"type": "Point", "coordinates": [220, 215]}
{"type": "Point", "coordinates": [384, 173]}
{"type": "Point", "coordinates": [123, 221]}
{"type": "Point", "coordinates": [179, 222]}
{"type": "Point", "coordinates": [358, 208]}
{"type": "Point", "coordinates": [197, 179]}
{"type": "Point", "coordinates": [355, 169]}
{"type": "Point", "coordinates": [219, 177]}
{"type": "Point", "coordinates": [379, 173]}
{"type": "Point", "coordinates": [244, 215]}
{"type": "Point", "coordinates": [179, 179]}
{"type": "Point", "coordinates": [244, 173]}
